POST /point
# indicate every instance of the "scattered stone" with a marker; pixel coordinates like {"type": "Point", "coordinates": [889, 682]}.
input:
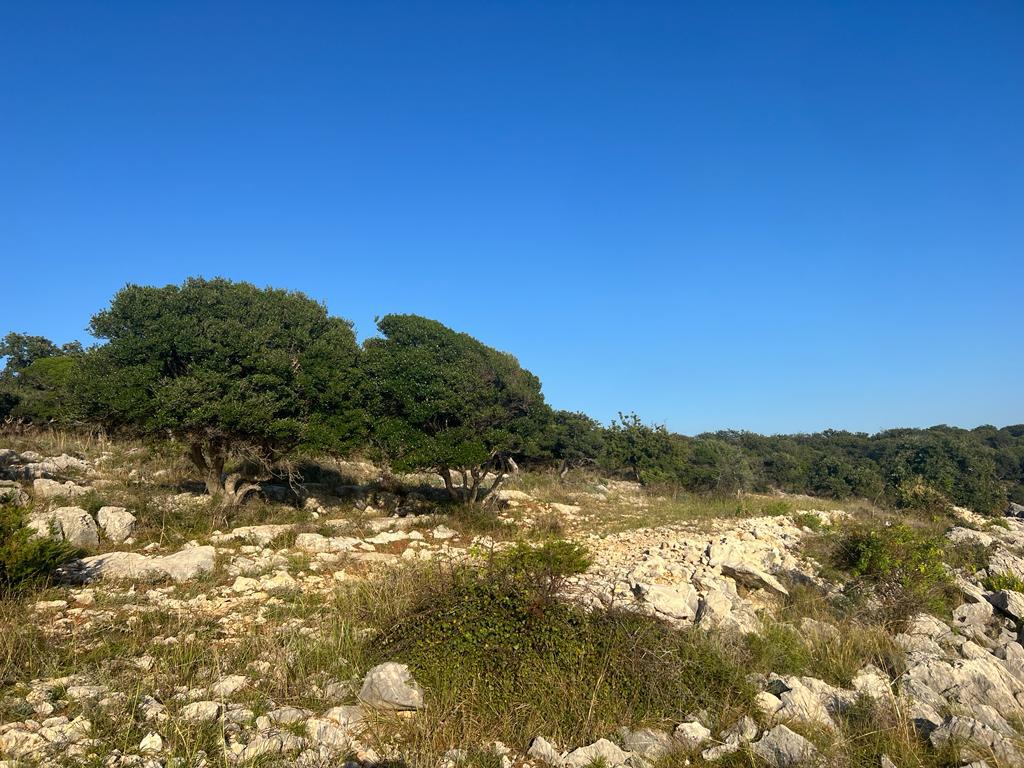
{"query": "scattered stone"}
{"type": "Point", "coordinates": [152, 742]}
{"type": "Point", "coordinates": [228, 686]}
{"type": "Point", "coordinates": [43, 488]}
{"type": "Point", "coordinates": [647, 742]}
{"type": "Point", "coordinates": [542, 749]}
{"type": "Point", "coordinates": [202, 711]}
{"type": "Point", "coordinates": [1009, 602]}
{"type": "Point", "coordinates": [72, 524]}
{"type": "Point", "coordinates": [752, 578]}
{"type": "Point", "coordinates": [976, 741]}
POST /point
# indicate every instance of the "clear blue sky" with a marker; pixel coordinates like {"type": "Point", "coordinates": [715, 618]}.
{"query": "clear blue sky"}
{"type": "Point", "coordinates": [770, 216]}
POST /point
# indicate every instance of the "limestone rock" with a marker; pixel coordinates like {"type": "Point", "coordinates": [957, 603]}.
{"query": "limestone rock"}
{"type": "Point", "coordinates": [228, 686]}
{"type": "Point", "coordinates": [117, 523]}
{"type": "Point", "coordinates": [181, 566]}
{"type": "Point", "coordinates": [676, 602]}
{"type": "Point", "coordinates": [691, 735]}
{"type": "Point", "coordinates": [646, 742]}
{"type": "Point", "coordinates": [543, 750]}
{"type": "Point", "coordinates": [43, 488]}
{"type": "Point", "coordinates": [151, 742]}
{"type": "Point", "coordinates": [390, 686]}
{"type": "Point", "coordinates": [781, 748]}
{"type": "Point", "coordinates": [976, 741]}
{"type": "Point", "coordinates": [202, 711]}
{"type": "Point", "coordinates": [753, 578]}
{"type": "Point", "coordinates": [72, 524]}
{"type": "Point", "coordinates": [1009, 602]}
{"type": "Point", "coordinates": [602, 749]}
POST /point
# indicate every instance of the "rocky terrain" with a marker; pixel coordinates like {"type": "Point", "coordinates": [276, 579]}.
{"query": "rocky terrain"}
{"type": "Point", "coordinates": [233, 646]}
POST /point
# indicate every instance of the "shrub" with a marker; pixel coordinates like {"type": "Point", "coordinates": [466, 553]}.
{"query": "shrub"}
{"type": "Point", "coordinates": [231, 371]}
{"type": "Point", "coordinates": [776, 508]}
{"type": "Point", "coordinates": [809, 520]}
{"type": "Point", "coordinates": [26, 559]}
{"type": "Point", "coordinates": [444, 402]}
{"type": "Point", "coordinates": [544, 569]}
{"type": "Point", "coordinates": [904, 566]}
{"type": "Point", "coordinates": [918, 495]}
{"type": "Point", "coordinates": [998, 581]}
{"type": "Point", "coordinates": [495, 643]}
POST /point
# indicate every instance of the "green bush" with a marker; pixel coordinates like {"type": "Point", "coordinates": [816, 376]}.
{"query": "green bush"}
{"type": "Point", "coordinates": [905, 567]}
{"type": "Point", "coordinates": [497, 640]}
{"type": "Point", "coordinates": [25, 559]}
{"type": "Point", "coordinates": [809, 520]}
{"type": "Point", "coordinates": [776, 508]}
{"type": "Point", "coordinates": [998, 581]}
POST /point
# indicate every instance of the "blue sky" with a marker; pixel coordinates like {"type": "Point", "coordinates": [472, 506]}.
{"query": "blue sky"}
{"type": "Point", "coordinates": [769, 216]}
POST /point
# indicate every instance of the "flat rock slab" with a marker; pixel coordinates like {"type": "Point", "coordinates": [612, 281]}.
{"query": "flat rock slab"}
{"type": "Point", "coordinates": [752, 578]}
{"type": "Point", "coordinates": [181, 566]}
{"type": "Point", "coordinates": [390, 686]}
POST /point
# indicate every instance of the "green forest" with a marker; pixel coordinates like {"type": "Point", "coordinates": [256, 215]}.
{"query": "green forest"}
{"type": "Point", "coordinates": [244, 377]}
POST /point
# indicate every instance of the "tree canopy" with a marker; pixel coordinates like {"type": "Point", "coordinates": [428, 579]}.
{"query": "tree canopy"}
{"type": "Point", "coordinates": [442, 401]}
{"type": "Point", "coordinates": [231, 370]}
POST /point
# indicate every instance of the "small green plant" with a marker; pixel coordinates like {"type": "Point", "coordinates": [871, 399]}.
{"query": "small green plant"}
{"type": "Point", "coordinates": [809, 520]}
{"type": "Point", "coordinates": [776, 508]}
{"type": "Point", "coordinates": [995, 582]}
{"type": "Point", "coordinates": [27, 559]}
{"type": "Point", "coordinates": [478, 520]}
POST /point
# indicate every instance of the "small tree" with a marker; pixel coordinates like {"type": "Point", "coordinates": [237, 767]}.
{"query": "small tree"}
{"type": "Point", "coordinates": [231, 370]}
{"type": "Point", "coordinates": [442, 401]}
{"type": "Point", "coordinates": [36, 382]}
{"type": "Point", "coordinates": [574, 440]}
{"type": "Point", "coordinates": [646, 454]}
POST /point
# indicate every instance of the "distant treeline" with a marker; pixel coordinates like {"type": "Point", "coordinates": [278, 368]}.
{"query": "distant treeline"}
{"type": "Point", "coordinates": [243, 377]}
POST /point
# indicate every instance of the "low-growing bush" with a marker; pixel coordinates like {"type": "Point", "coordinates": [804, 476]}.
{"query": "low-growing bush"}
{"type": "Point", "coordinates": [26, 559]}
{"type": "Point", "coordinates": [496, 643]}
{"type": "Point", "coordinates": [809, 520]}
{"type": "Point", "coordinates": [904, 566]}
{"type": "Point", "coordinates": [995, 582]}
{"type": "Point", "coordinates": [776, 508]}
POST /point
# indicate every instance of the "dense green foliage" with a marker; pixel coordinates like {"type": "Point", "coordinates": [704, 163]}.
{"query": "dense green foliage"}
{"type": "Point", "coordinates": [925, 469]}
{"type": "Point", "coordinates": [440, 400]}
{"type": "Point", "coordinates": [229, 369]}
{"type": "Point", "coordinates": [24, 558]}
{"type": "Point", "coordinates": [35, 384]}
{"type": "Point", "coordinates": [904, 566]}
{"type": "Point", "coordinates": [238, 372]}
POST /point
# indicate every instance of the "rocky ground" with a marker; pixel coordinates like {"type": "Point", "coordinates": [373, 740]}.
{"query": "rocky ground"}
{"type": "Point", "coordinates": [232, 647]}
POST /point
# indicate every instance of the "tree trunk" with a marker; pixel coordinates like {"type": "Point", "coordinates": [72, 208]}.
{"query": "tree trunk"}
{"type": "Point", "coordinates": [210, 463]}
{"type": "Point", "coordinates": [446, 475]}
{"type": "Point", "coordinates": [237, 487]}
